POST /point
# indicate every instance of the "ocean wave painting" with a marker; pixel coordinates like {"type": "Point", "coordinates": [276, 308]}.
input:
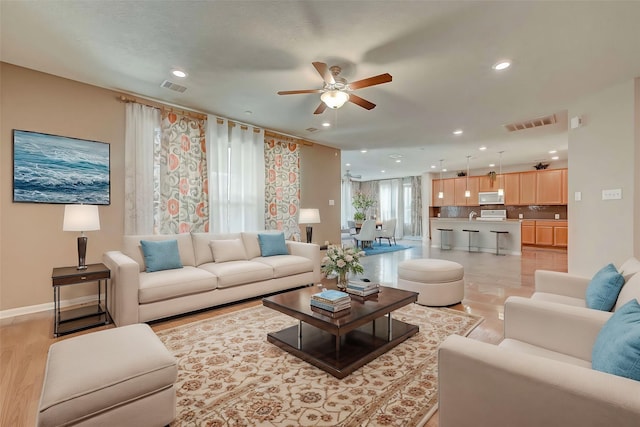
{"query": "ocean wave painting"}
{"type": "Point", "coordinates": [58, 169]}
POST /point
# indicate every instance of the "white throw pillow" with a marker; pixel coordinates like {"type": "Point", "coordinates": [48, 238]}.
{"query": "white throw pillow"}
{"type": "Point", "coordinates": [629, 268]}
{"type": "Point", "coordinates": [228, 250]}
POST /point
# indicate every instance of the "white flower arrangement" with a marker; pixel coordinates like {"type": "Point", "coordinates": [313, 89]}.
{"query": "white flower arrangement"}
{"type": "Point", "coordinates": [342, 260]}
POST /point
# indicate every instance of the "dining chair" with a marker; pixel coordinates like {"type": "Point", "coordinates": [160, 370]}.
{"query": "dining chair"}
{"type": "Point", "coordinates": [367, 233]}
{"type": "Point", "coordinates": [388, 231]}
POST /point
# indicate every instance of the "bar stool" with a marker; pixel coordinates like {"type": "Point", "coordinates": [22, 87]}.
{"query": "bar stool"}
{"type": "Point", "coordinates": [498, 233]}
{"type": "Point", "coordinates": [470, 234]}
{"type": "Point", "coordinates": [445, 232]}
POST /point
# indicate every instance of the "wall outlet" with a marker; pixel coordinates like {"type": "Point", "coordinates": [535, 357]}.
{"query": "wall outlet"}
{"type": "Point", "coordinates": [557, 216]}
{"type": "Point", "coordinates": [520, 216]}
{"type": "Point", "coordinates": [614, 194]}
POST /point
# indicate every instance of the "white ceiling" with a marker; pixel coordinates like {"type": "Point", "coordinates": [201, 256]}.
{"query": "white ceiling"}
{"type": "Point", "coordinates": [240, 53]}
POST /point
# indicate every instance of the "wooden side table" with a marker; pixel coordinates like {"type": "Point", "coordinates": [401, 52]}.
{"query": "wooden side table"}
{"type": "Point", "coordinates": [85, 317]}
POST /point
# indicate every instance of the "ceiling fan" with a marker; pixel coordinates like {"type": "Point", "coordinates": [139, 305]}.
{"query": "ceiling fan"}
{"type": "Point", "coordinates": [336, 90]}
{"type": "Point", "coordinates": [349, 176]}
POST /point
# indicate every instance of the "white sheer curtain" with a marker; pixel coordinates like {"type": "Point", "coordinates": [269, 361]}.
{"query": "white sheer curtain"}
{"type": "Point", "coordinates": [142, 137]}
{"type": "Point", "coordinates": [217, 136]}
{"type": "Point", "coordinates": [391, 203]}
{"type": "Point", "coordinates": [346, 208]}
{"type": "Point", "coordinates": [235, 155]}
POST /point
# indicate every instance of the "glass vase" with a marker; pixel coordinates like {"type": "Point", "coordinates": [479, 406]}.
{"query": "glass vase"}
{"type": "Point", "coordinates": [342, 280]}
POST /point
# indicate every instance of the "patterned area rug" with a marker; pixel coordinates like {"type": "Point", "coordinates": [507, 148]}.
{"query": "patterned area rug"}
{"type": "Point", "coordinates": [229, 375]}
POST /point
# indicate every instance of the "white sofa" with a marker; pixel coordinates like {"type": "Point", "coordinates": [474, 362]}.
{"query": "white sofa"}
{"type": "Point", "coordinates": [571, 289]}
{"type": "Point", "coordinates": [539, 375]}
{"type": "Point", "coordinates": [138, 296]}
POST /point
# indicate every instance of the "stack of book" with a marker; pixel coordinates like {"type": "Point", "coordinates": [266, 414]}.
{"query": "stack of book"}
{"type": "Point", "coordinates": [362, 289]}
{"type": "Point", "coordinates": [331, 300]}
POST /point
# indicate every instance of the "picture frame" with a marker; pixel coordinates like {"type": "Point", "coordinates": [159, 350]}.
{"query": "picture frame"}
{"type": "Point", "coordinates": [60, 170]}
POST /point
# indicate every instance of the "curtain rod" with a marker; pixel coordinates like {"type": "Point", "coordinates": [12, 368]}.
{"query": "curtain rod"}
{"type": "Point", "coordinates": [220, 120]}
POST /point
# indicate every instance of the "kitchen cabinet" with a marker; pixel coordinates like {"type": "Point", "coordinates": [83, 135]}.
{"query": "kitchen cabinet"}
{"type": "Point", "coordinates": [447, 186]}
{"type": "Point", "coordinates": [487, 184]}
{"type": "Point", "coordinates": [461, 185]}
{"type": "Point", "coordinates": [544, 233]}
{"type": "Point", "coordinates": [528, 232]}
{"type": "Point", "coordinates": [561, 236]}
{"type": "Point", "coordinates": [435, 187]}
{"type": "Point", "coordinates": [528, 188]}
{"type": "Point", "coordinates": [549, 187]}
{"type": "Point", "coordinates": [511, 189]}
{"type": "Point", "coordinates": [565, 186]}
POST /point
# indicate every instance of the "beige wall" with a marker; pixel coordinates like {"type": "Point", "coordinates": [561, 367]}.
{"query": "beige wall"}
{"type": "Point", "coordinates": [32, 242]}
{"type": "Point", "coordinates": [320, 174]}
{"type": "Point", "coordinates": [603, 155]}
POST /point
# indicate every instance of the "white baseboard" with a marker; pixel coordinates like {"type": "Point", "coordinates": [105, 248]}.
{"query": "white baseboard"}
{"type": "Point", "coordinates": [20, 311]}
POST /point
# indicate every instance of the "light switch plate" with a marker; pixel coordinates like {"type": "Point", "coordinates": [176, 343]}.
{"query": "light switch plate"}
{"type": "Point", "coordinates": [613, 194]}
{"type": "Point", "coordinates": [577, 196]}
{"type": "Point", "coordinates": [332, 202]}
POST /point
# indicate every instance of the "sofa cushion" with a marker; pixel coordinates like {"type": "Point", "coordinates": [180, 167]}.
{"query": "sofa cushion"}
{"type": "Point", "coordinates": [161, 255]}
{"type": "Point", "coordinates": [603, 289]}
{"type": "Point", "coordinates": [617, 347]}
{"type": "Point", "coordinates": [287, 265]}
{"type": "Point", "coordinates": [202, 247]}
{"type": "Point", "coordinates": [559, 299]}
{"type": "Point", "coordinates": [630, 291]}
{"type": "Point", "coordinates": [272, 244]}
{"type": "Point", "coordinates": [234, 273]}
{"type": "Point", "coordinates": [251, 243]}
{"type": "Point", "coordinates": [228, 250]}
{"type": "Point", "coordinates": [132, 248]}
{"type": "Point", "coordinates": [629, 268]}
{"type": "Point", "coordinates": [162, 285]}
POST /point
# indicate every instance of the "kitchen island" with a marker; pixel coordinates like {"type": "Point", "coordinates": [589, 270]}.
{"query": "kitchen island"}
{"type": "Point", "coordinates": [484, 240]}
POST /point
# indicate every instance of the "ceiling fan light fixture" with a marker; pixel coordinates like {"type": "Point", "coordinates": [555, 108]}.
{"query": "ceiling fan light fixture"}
{"type": "Point", "coordinates": [334, 98]}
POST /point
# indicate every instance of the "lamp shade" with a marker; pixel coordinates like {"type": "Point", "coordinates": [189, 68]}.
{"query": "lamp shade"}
{"type": "Point", "coordinates": [334, 98]}
{"type": "Point", "coordinates": [81, 218]}
{"type": "Point", "coordinates": [309, 216]}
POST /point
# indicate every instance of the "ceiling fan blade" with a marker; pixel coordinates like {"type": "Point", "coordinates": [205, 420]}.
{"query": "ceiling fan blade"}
{"type": "Point", "coordinates": [361, 102]}
{"type": "Point", "coordinates": [371, 81]}
{"type": "Point", "coordinates": [295, 92]}
{"type": "Point", "coordinates": [320, 108]}
{"type": "Point", "coordinates": [324, 71]}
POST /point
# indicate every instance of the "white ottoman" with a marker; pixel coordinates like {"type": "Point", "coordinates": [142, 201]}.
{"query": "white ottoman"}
{"type": "Point", "coordinates": [437, 281]}
{"type": "Point", "coordinates": [115, 377]}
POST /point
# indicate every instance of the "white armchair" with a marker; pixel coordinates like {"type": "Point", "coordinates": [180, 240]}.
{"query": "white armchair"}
{"type": "Point", "coordinates": [539, 375]}
{"type": "Point", "coordinates": [570, 289]}
{"type": "Point", "coordinates": [388, 231]}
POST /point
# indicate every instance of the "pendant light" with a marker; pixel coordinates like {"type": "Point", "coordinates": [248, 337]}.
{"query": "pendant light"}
{"type": "Point", "coordinates": [467, 193]}
{"type": "Point", "coordinates": [441, 192]}
{"type": "Point", "coordinates": [501, 190]}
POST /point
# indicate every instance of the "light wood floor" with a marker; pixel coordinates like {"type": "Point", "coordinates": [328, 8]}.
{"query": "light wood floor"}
{"type": "Point", "coordinates": [490, 279]}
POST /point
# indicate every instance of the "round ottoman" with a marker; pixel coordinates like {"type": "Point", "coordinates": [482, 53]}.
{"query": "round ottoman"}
{"type": "Point", "coordinates": [437, 281]}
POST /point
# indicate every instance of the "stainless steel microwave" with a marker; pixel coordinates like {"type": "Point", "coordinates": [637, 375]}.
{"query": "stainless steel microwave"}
{"type": "Point", "coordinates": [490, 198]}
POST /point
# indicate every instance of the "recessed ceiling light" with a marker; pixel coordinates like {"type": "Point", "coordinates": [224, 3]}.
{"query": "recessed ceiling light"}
{"type": "Point", "coordinates": [433, 166]}
{"type": "Point", "coordinates": [363, 151]}
{"type": "Point", "coordinates": [326, 124]}
{"type": "Point", "coordinates": [501, 65]}
{"type": "Point", "coordinates": [382, 171]}
{"type": "Point", "coordinates": [444, 170]}
{"type": "Point", "coordinates": [347, 164]}
{"type": "Point", "coordinates": [482, 148]}
{"type": "Point", "coordinates": [179, 73]}
{"type": "Point", "coordinates": [398, 161]}
{"type": "Point", "coordinates": [553, 151]}
{"type": "Point", "coordinates": [457, 132]}
{"type": "Point", "coordinates": [491, 165]}
{"type": "Point", "coordinates": [555, 158]}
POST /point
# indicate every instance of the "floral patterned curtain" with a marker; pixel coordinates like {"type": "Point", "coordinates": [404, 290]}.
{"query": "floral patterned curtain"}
{"type": "Point", "coordinates": [282, 186]}
{"type": "Point", "coordinates": [184, 205]}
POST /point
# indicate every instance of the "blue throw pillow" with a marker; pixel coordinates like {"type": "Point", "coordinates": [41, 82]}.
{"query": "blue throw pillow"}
{"type": "Point", "coordinates": [603, 289]}
{"type": "Point", "coordinates": [161, 255]}
{"type": "Point", "coordinates": [617, 347]}
{"type": "Point", "coordinates": [272, 244]}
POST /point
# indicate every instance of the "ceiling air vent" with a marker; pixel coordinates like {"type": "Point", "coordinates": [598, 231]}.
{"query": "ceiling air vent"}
{"type": "Point", "coordinates": [170, 85]}
{"type": "Point", "coordinates": [528, 124]}
{"type": "Point", "coordinates": [311, 130]}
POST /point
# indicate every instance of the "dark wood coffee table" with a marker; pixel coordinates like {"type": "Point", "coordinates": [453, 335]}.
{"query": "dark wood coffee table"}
{"type": "Point", "coordinates": [339, 345]}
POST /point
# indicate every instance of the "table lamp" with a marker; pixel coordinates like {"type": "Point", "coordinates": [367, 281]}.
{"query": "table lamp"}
{"type": "Point", "coordinates": [309, 216]}
{"type": "Point", "coordinates": [81, 218]}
